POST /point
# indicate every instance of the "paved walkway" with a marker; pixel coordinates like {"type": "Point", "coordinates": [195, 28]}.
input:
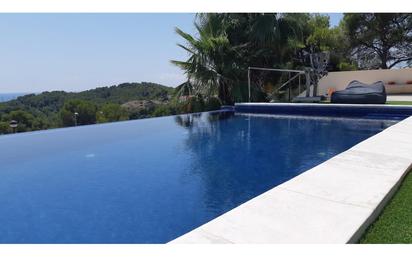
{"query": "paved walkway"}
{"type": "Point", "coordinates": [399, 98]}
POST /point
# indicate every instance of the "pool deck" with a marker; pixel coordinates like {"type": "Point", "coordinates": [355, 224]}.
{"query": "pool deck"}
{"type": "Point", "coordinates": [333, 202]}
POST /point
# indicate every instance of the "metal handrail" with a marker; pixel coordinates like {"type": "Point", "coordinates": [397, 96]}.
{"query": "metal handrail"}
{"type": "Point", "coordinates": [290, 80]}
{"type": "Point", "coordinates": [282, 70]}
{"type": "Point", "coordinates": [299, 72]}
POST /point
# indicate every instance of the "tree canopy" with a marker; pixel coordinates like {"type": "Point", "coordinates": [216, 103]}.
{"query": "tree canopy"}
{"type": "Point", "coordinates": [111, 112]}
{"type": "Point", "coordinates": [78, 112]}
{"type": "Point", "coordinates": [227, 44]}
{"type": "Point", "coordinates": [380, 40]}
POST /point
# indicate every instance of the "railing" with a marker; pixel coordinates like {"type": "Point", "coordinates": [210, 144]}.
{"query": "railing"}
{"type": "Point", "coordinates": [287, 84]}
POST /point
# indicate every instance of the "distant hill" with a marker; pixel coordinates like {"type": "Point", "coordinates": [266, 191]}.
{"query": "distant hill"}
{"type": "Point", "coordinates": [48, 102]}
{"type": "Point", "coordinates": [43, 111]}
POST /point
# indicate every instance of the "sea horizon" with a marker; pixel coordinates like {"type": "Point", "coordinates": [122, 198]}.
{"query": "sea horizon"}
{"type": "Point", "coordinates": [4, 97]}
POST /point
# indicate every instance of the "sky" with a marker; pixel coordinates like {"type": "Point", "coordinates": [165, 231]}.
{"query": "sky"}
{"type": "Point", "coordinates": [74, 52]}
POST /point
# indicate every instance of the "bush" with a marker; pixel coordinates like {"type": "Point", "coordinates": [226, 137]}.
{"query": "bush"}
{"type": "Point", "coordinates": [193, 104]}
{"type": "Point", "coordinates": [213, 103]}
{"type": "Point", "coordinates": [4, 127]}
{"type": "Point", "coordinates": [86, 112]}
{"type": "Point", "coordinates": [345, 66]}
{"type": "Point", "coordinates": [111, 112]}
{"type": "Point", "coordinates": [162, 110]}
{"type": "Point", "coordinates": [25, 121]}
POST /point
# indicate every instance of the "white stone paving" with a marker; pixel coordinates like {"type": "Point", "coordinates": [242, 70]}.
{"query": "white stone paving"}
{"type": "Point", "coordinates": [333, 202]}
{"type": "Point", "coordinates": [399, 97]}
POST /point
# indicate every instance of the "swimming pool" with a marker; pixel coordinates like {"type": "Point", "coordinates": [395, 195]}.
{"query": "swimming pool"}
{"type": "Point", "coordinates": [152, 180]}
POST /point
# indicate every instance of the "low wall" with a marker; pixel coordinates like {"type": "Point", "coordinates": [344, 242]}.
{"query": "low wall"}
{"type": "Point", "coordinates": [339, 80]}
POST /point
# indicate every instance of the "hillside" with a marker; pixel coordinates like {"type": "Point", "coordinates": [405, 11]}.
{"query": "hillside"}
{"type": "Point", "coordinates": [104, 104]}
{"type": "Point", "coordinates": [122, 93]}
{"type": "Point", "coordinates": [42, 111]}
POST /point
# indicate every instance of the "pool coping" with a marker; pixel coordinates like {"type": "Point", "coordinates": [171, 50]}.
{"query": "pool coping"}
{"type": "Point", "coordinates": [326, 105]}
{"type": "Point", "coordinates": [333, 202]}
{"type": "Point", "coordinates": [338, 110]}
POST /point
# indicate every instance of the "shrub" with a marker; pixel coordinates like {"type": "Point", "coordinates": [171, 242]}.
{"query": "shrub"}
{"type": "Point", "coordinates": [213, 103]}
{"type": "Point", "coordinates": [86, 112]}
{"type": "Point", "coordinates": [162, 110]}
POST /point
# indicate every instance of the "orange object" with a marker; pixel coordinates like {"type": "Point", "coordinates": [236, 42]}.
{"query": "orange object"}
{"type": "Point", "coordinates": [330, 91]}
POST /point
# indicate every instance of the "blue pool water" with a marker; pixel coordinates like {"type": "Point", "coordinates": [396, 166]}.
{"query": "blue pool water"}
{"type": "Point", "coordinates": [152, 180]}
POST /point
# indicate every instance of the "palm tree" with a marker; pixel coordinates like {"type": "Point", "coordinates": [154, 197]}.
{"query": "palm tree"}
{"type": "Point", "coordinates": [229, 43]}
{"type": "Point", "coordinates": [210, 66]}
{"type": "Point", "coordinates": [184, 90]}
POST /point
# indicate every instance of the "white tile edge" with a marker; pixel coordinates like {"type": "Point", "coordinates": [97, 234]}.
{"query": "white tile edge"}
{"type": "Point", "coordinates": [378, 210]}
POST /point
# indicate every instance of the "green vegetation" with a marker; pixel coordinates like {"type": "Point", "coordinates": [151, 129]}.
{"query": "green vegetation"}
{"type": "Point", "coordinates": [84, 111]}
{"type": "Point", "coordinates": [229, 43]}
{"type": "Point", "coordinates": [394, 225]}
{"type": "Point", "coordinates": [111, 112]}
{"type": "Point", "coordinates": [105, 104]}
{"type": "Point", "coordinates": [399, 102]}
{"type": "Point", "coordinates": [226, 44]}
{"type": "Point", "coordinates": [380, 40]}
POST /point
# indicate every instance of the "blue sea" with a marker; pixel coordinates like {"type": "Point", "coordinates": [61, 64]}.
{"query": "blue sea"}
{"type": "Point", "coordinates": [4, 97]}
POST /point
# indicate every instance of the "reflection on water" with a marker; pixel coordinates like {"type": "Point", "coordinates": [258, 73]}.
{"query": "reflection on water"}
{"type": "Point", "coordinates": [187, 120]}
{"type": "Point", "coordinates": [194, 119]}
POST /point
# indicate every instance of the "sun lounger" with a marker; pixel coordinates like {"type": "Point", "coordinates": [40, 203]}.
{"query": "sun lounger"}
{"type": "Point", "coordinates": [360, 93]}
